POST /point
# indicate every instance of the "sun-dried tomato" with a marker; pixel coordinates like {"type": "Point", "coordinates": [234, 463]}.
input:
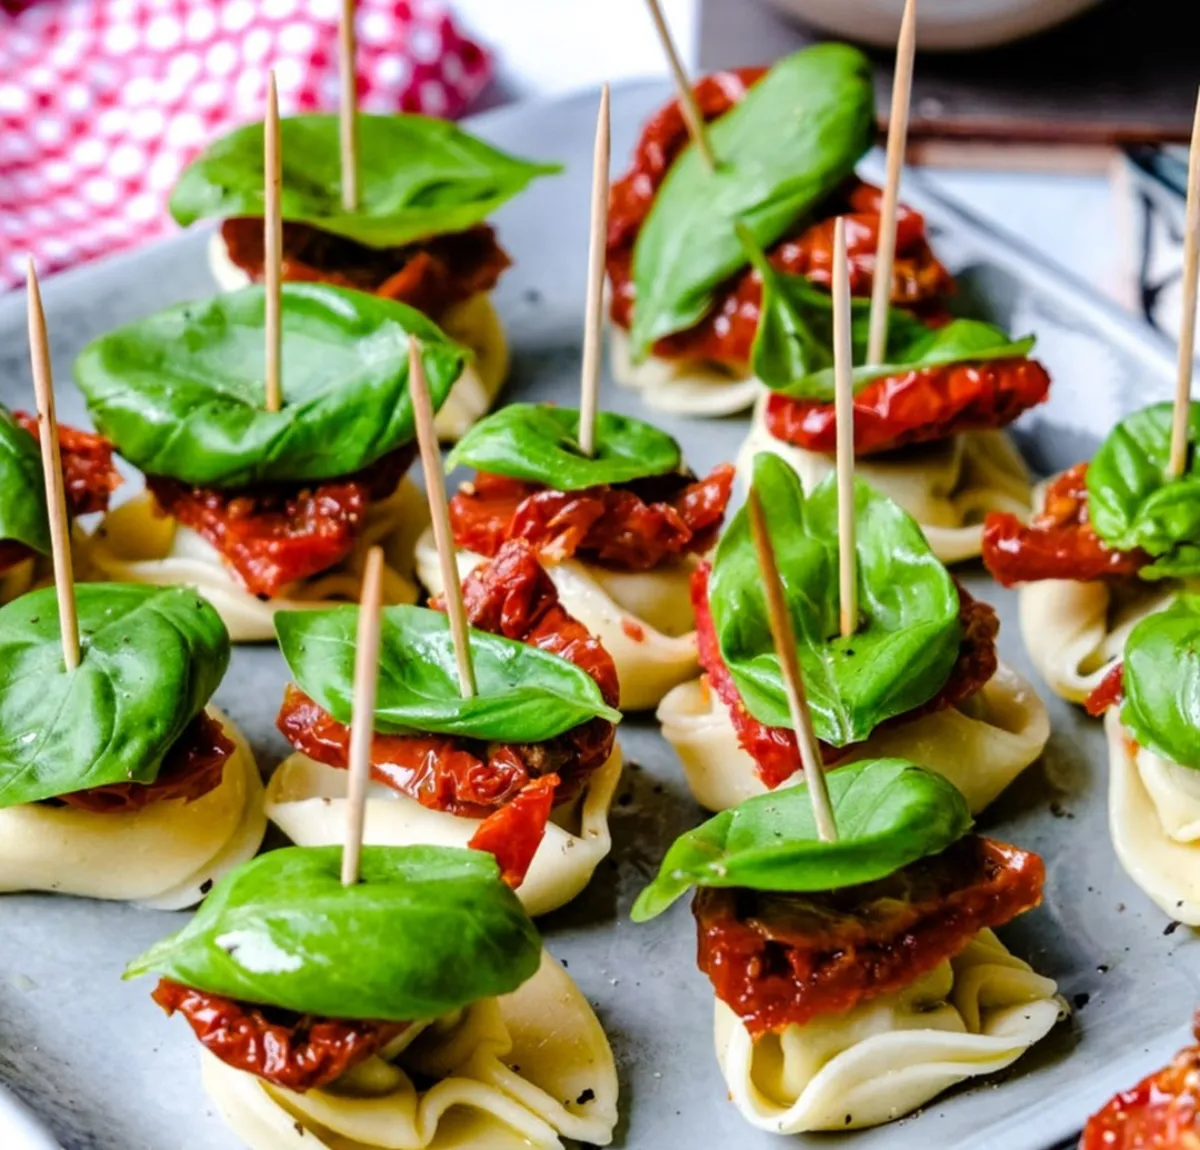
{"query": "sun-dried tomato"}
{"type": "Point", "coordinates": [514, 832]}
{"type": "Point", "coordinates": [89, 478]}
{"type": "Point", "coordinates": [726, 334]}
{"type": "Point", "coordinates": [294, 1051]}
{"type": "Point", "coordinates": [1162, 1112]}
{"type": "Point", "coordinates": [273, 534]}
{"type": "Point", "coordinates": [773, 749]}
{"type": "Point", "coordinates": [923, 406]}
{"type": "Point", "coordinates": [509, 595]}
{"type": "Point", "coordinates": [1057, 543]}
{"type": "Point", "coordinates": [192, 768]}
{"type": "Point", "coordinates": [632, 527]}
{"type": "Point", "coordinates": [87, 463]}
{"type": "Point", "coordinates": [1109, 692]}
{"type": "Point", "coordinates": [777, 959]}
{"type": "Point", "coordinates": [431, 275]}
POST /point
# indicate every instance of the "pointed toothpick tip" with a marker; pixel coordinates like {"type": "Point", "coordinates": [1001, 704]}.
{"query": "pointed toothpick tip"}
{"type": "Point", "coordinates": [696, 126]}
{"type": "Point", "coordinates": [273, 247]}
{"type": "Point", "coordinates": [439, 511]}
{"type": "Point", "coordinates": [52, 474]}
{"type": "Point", "coordinates": [362, 720]}
{"type": "Point", "coordinates": [885, 255]}
{"type": "Point", "coordinates": [589, 386]}
{"type": "Point", "coordinates": [348, 106]}
{"type": "Point", "coordinates": [1177, 463]}
{"type": "Point", "coordinates": [784, 636]}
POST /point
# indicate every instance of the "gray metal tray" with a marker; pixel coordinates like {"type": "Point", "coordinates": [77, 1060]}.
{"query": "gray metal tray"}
{"type": "Point", "coordinates": [108, 1071]}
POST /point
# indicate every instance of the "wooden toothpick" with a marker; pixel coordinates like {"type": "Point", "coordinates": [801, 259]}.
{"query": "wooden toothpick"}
{"type": "Point", "coordinates": [589, 389]}
{"type": "Point", "coordinates": [793, 681]}
{"type": "Point", "coordinates": [843, 374]}
{"type": "Point", "coordinates": [885, 253]}
{"type": "Point", "coordinates": [683, 87]}
{"type": "Point", "coordinates": [362, 719]}
{"type": "Point", "coordinates": [1187, 330]}
{"type": "Point", "coordinates": [273, 245]}
{"type": "Point", "coordinates": [435, 486]}
{"type": "Point", "coordinates": [348, 107]}
{"type": "Point", "coordinates": [56, 498]}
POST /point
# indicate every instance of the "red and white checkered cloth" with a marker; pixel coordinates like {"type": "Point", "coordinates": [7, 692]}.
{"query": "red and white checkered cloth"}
{"type": "Point", "coordinates": [102, 102]}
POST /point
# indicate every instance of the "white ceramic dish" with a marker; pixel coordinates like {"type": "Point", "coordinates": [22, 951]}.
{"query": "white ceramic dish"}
{"type": "Point", "coordinates": [942, 25]}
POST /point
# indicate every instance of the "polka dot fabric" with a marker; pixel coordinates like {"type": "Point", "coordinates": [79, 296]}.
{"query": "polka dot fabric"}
{"type": "Point", "coordinates": [103, 102]}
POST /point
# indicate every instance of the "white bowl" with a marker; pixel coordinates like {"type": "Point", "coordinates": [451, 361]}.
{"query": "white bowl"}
{"type": "Point", "coordinates": [942, 25]}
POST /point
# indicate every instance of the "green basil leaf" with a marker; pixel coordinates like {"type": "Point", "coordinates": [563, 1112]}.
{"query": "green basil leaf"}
{"type": "Point", "coordinates": [888, 812]}
{"type": "Point", "coordinates": [151, 659]}
{"type": "Point", "coordinates": [908, 636]}
{"type": "Point", "coordinates": [418, 177]}
{"type": "Point", "coordinates": [180, 393]}
{"type": "Point", "coordinates": [426, 930]}
{"type": "Point", "coordinates": [1131, 501]}
{"type": "Point", "coordinates": [793, 346]}
{"type": "Point", "coordinates": [791, 141]}
{"type": "Point", "coordinates": [23, 516]}
{"type": "Point", "coordinates": [539, 443]}
{"type": "Point", "coordinates": [1162, 682]}
{"type": "Point", "coordinates": [524, 694]}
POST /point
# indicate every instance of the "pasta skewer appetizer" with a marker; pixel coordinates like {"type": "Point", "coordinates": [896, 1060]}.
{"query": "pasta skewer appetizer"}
{"type": "Point", "coordinates": [113, 754]}
{"type": "Point", "coordinates": [502, 738]}
{"type": "Point", "coordinates": [414, 230]}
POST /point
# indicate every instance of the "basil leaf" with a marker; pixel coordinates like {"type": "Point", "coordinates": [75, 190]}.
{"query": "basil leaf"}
{"type": "Point", "coordinates": [793, 346]}
{"type": "Point", "coordinates": [418, 177]}
{"type": "Point", "coordinates": [1131, 501]}
{"type": "Point", "coordinates": [426, 930]}
{"type": "Point", "coordinates": [181, 392]}
{"type": "Point", "coordinates": [908, 637]}
{"type": "Point", "coordinates": [23, 516]}
{"type": "Point", "coordinates": [151, 659]}
{"type": "Point", "coordinates": [539, 443]}
{"type": "Point", "coordinates": [1162, 682]}
{"type": "Point", "coordinates": [889, 813]}
{"type": "Point", "coordinates": [791, 141]}
{"type": "Point", "coordinates": [524, 694]}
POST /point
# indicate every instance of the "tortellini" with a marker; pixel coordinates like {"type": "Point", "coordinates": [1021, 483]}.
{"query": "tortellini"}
{"type": "Point", "coordinates": [973, 1015]}
{"type": "Point", "coordinates": [164, 856]}
{"type": "Point", "coordinates": [683, 387]}
{"type": "Point", "coordinates": [947, 487]}
{"type": "Point", "coordinates": [980, 746]}
{"type": "Point", "coordinates": [136, 544]}
{"type": "Point", "coordinates": [513, 1073]}
{"type": "Point", "coordinates": [473, 323]}
{"type": "Point", "coordinates": [307, 800]}
{"type": "Point", "coordinates": [1154, 818]}
{"type": "Point", "coordinates": [643, 618]}
{"type": "Point", "coordinates": [1076, 632]}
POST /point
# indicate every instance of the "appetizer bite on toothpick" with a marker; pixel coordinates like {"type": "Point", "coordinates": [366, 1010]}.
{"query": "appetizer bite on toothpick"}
{"type": "Point", "coordinates": [606, 501]}
{"type": "Point", "coordinates": [846, 925]}
{"type": "Point", "coordinates": [858, 979]}
{"type": "Point", "coordinates": [118, 778]}
{"type": "Point", "coordinates": [395, 205]}
{"type": "Point", "coordinates": [901, 660]}
{"type": "Point", "coordinates": [275, 429]}
{"type": "Point", "coordinates": [493, 725]}
{"type": "Point", "coordinates": [1114, 540]}
{"type": "Point", "coordinates": [1151, 706]}
{"type": "Point", "coordinates": [1160, 1113]}
{"type": "Point", "coordinates": [410, 1010]}
{"type": "Point", "coordinates": [89, 479]}
{"type": "Point", "coordinates": [692, 287]}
